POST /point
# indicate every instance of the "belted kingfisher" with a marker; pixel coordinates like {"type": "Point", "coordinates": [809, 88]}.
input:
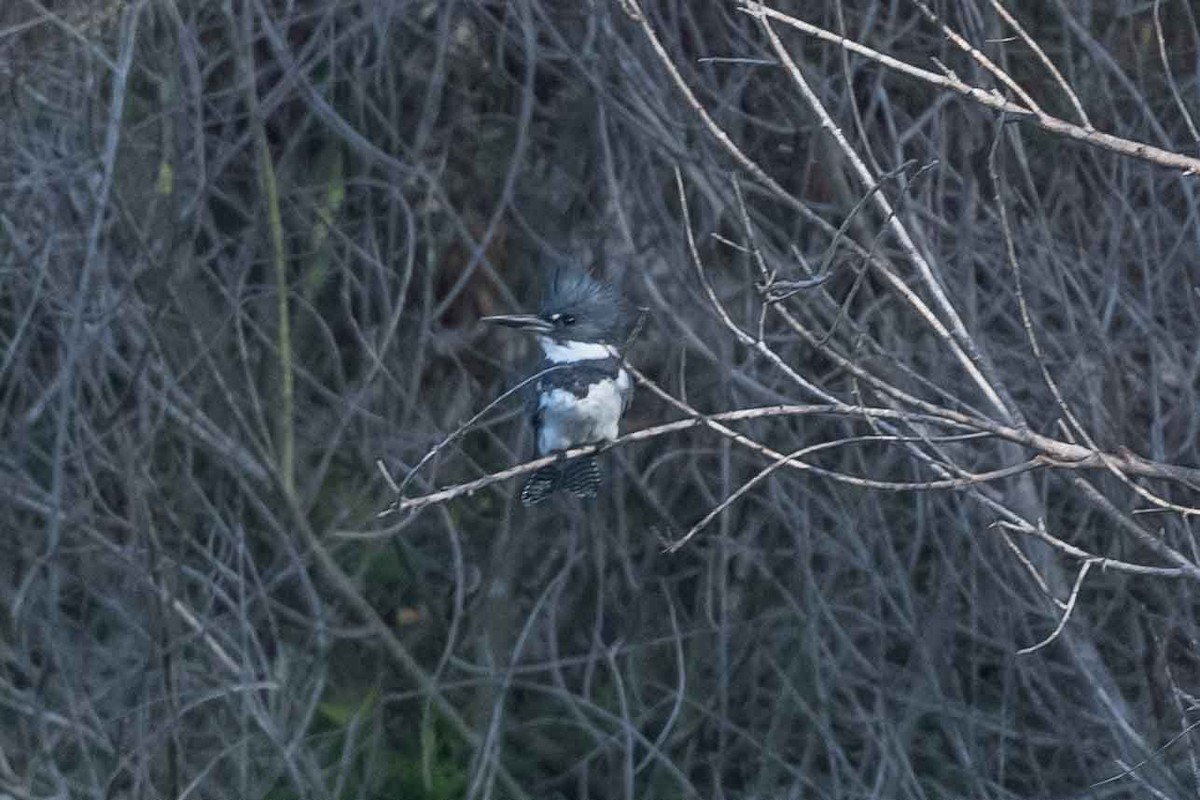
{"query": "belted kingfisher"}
{"type": "Point", "coordinates": [581, 399]}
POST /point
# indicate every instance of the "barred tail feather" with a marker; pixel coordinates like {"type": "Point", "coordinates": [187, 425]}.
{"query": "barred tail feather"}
{"type": "Point", "coordinates": [540, 486]}
{"type": "Point", "coordinates": [581, 477]}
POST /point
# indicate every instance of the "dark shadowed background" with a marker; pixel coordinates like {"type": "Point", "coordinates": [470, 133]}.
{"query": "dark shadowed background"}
{"type": "Point", "coordinates": [947, 265]}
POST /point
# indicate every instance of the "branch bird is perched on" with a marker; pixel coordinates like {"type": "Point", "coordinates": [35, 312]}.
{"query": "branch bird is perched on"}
{"type": "Point", "coordinates": [581, 399]}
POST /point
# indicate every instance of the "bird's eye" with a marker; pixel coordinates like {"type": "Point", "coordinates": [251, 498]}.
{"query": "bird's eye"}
{"type": "Point", "coordinates": [567, 319]}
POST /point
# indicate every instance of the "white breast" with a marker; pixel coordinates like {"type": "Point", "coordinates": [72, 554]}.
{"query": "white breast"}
{"type": "Point", "coordinates": [569, 421]}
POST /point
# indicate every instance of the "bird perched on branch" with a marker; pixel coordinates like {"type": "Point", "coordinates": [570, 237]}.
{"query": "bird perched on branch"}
{"type": "Point", "coordinates": [584, 391]}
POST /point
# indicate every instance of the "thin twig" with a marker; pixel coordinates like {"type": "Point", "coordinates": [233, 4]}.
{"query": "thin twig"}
{"type": "Point", "coordinates": [980, 58]}
{"type": "Point", "coordinates": [1062, 623]}
{"type": "Point", "coordinates": [713, 420]}
{"type": "Point", "coordinates": [466, 426]}
{"type": "Point", "coordinates": [992, 100]}
{"type": "Point", "coordinates": [959, 340]}
{"type": "Point", "coordinates": [266, 171]}
{"type": "Point", "coordinates": [1032, 44]}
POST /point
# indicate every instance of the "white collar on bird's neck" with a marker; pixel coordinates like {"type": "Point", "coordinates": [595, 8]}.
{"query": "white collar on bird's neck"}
{"type": "Point", "coordinates": [567, 352]}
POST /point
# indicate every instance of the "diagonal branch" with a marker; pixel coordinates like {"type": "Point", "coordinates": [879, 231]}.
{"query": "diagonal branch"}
{"type": "Point", "coordinates": [992, 99]}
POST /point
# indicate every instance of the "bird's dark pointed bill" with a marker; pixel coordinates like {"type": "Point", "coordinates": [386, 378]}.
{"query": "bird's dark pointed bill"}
{"type": "Point", "coordinates": [526, 322]}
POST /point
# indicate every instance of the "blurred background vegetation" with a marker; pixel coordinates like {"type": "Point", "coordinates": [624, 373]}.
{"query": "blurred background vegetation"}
{"type": "Point", "coordinates": [244, 247]}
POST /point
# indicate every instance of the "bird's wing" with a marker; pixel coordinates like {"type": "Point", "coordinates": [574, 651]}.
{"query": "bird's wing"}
{"type": "Point", "coordinates": [533, 409]}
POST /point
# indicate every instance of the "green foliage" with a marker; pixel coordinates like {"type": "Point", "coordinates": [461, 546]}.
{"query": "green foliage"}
{"type": "Point", "coordinates": [428, 767]}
